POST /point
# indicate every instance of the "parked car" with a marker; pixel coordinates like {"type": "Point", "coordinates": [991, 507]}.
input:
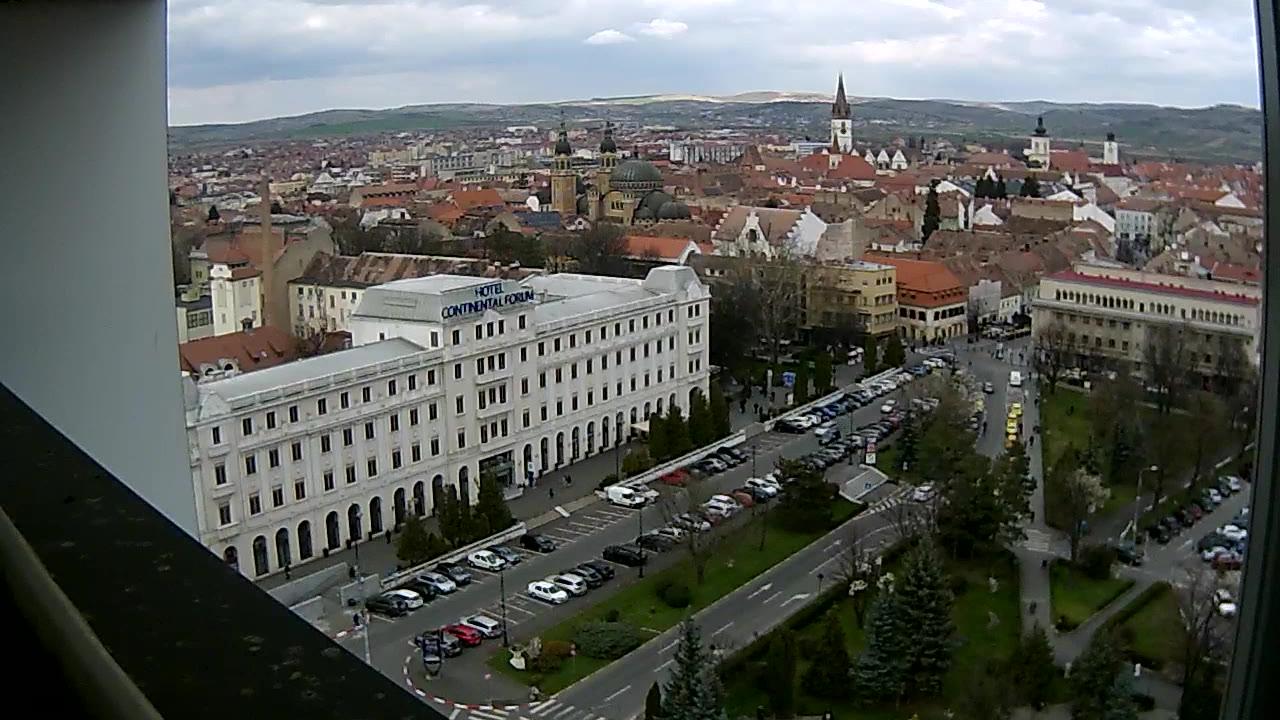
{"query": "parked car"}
{"type": "Point", "coordinates": [711, 466]}
{"type": "Point", "coordinates": [676, 478]}
{"type": "Point", "coordinates": [467, 635]}
{"type": "Point", "coordinates": [724, 501]}
{"type": "Point", "coordinates": [736, 453]}
{"type": "Point", "coordinates": [1224, 488]}
{"type": "Point", "coordinates": [485, 625]}
{"type": "Point", "coordinates": [654, 542]}
{"type": "Point", "coordinates": [573, 584]}
{"type": "Point", "coordinates": [923, 493]}
{"type": "Point", "coordinates": [509, 556]}
{"type": "Point", "coordinates": [390, 604]}
{"type": "Point", "coordinates": [1128, 553]}
{"type": "Point", "coordinates": [1234, 482]}
{"type": "Point", "coordinates": [761, 484]}
{"type": "Point", "coordinates": [1225, 603]}
{"type": "Point", "coordinates": [603, 569]}
{"type": "Point", "coordinates": [1233, 533]}
{"type": "Point", "coordinates": [1228, 561]}
{"type": "Point", "coordinates": [586, 572]}
{"type": "Point", "coordinates": [675, 534]}
{"type": "Point", "coordinates": [547, 592]}
{"type": "Point", "coordinates": [628, 555]}
{"type": "Point", "coordinates": [623, 496]}
{"type": "Point", "coordinates": [1214, 496]}
{"type": "Point", "coordinates": [537, 543]}
{"type": "Point", "coordinates": [456, 572]}
{"type": "Point", "coordinates": [888, 406]}
{"type": "Point", "coordinates": [425, 591]}
{"type": "Point", "coordinates": [744, 497]}
{"type": "Point", "coordinates": [827, 433]}
{"type": "Point", "coordinates": [486, 560]}
{"type": "Point", "coordinates": [1194, 511]}
{"type": "Point", "coordinates": [442, 584]}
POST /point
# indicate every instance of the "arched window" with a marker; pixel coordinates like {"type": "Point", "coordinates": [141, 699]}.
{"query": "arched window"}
{"type": "Point", "coordinates": [261, 563]}
{"type": "Point", "coordinates": [283, 557]}
{"type": "Point", "coordinates": [355, 524]}
{"type": "Point", "coordinates": [231, 556]}
{"type": "Point", "coordinates": [304, 540]}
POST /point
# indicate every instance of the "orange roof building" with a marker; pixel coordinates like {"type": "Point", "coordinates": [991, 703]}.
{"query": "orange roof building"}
{"type": "Point", "coordinates": [931, 299]}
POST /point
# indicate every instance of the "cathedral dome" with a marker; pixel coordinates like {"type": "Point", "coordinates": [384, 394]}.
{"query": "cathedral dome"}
{"type": "Point", "coordinates": [636, 175]}
{"type": "Point", "coordinates": [655, 200]}
{"type": "Point", "coordinates": [644, 213]}
{"type": "Point", "coordinates": [562, 145]}
{"type": "Point", "coordinates": [672, 210]}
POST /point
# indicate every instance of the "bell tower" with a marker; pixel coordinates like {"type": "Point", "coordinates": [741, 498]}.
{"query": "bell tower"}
{"type": "Point", "coordinates": [841, 122]}
{"type": "Point", "coordinates": [608, 161]}
{"type": "Point", "coordinates": [564, 184]}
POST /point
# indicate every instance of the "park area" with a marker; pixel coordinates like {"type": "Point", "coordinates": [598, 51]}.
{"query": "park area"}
{"type": "Point", "coordinates": [1075, 596]}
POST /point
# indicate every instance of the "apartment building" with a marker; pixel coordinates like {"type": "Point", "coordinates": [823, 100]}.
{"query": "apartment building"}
{"type": "Point", "coordinates": [1107, 313]}
{"type": "Point", "coordinates": [451, 378]}
{"type": "Point", "coordinates": [851, 294]}
{"type": "Point", "coordinates": [932, 302]}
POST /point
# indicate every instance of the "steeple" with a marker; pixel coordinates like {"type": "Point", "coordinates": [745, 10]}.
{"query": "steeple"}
{"type": "Point", "coordinates": [607, 145]}
{"type": "Point", "coordinates": [562, 139]}
{"type": "Point", "coordinates": [840, 108]}
{"type": "Point", "coordinates": [1040, 131]}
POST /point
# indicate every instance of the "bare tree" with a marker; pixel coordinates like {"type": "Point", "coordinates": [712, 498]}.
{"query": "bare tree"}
{"type": "Point", "coordinates": [1168, 362]}
{"type": "Point", "coordinates": [1238, 385]}
{"type": "Point", "coordinates": [1208, 419]}
{"type": "Point", "coordinates": [858, 569]}
{"type": "Point", "coordinates": [1052, 353]}
{"type": "Point", "coordinates": [698, 544]}
{"type": "Point", "coordinates": [1205, 641]}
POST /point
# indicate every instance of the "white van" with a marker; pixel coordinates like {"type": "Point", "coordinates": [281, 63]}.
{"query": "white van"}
{"type": "Point", "coordinates": [1015, 378]}
{"type": "Point", "coordinates": [623, 496]}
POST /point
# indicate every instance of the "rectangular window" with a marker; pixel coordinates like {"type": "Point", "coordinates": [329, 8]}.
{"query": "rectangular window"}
{"type": "Point", "coordinates": [524, 354]}
{"type": "Point", "coordinates": [604, 362]}
{"type": "Point", "coordinates": [617, 329]}
{"type": "Point", "coordinates": [619, 388]}
{"type": "Point", "coordinates": [544, 413]}
{"type": "Point", "coordinates": [431, 377]}
{"type": "Point", "coordinates": [458, 405]}
{"type": "Point", "coordinates": [462, 438]}
{"type": "Point", "coordinates": [368, 431]}
{"type": "Point", "coordinates": [479, 366]}
{"type": "Point", "coordinates": [344, 400]}
{"type": "Point", "coordinates": [542, 379]}
{"type": "Point", "coordinates": [457, 337]}
{"type": "Point", "coordinates": [216, 433]}
{"type": "Point", "coordinates": [255, 504]}
{"type": "Point", "coordinates": [502, 326]}
{"type": "Point", "coordinates": [488, 329]}
{"type": "Point", "coordinates": [524, 386]}
{"type": "Point", "coordinates": [588, 337]}
{"type": "Point", "coordinates": [633, 383]}
{"type": "Point", "coordinates": [484, 434]}
{"type": "Point", "coordinates": [432, 413]}
{"type": "Point", "coordinates": [328, 480]}
{"type": "Point", "coordinates": [224, 510]}
{"type": "Point", "coordinates": [299, 489]}
{"type": "Point", "coordinates": [573, 371]}
{"type": "Point", "coordinates": [277, 497]}
{"type": "Point", "coordinates": [415, 452]}
{"type": "Point", "coordinates": [391, 386]}
{"type": "Point", "coordinates": [413, 417]}
{"type": "Point", "coordinates": [481, 401]}
{"type": "Point", "coordinates": [296, 451]}
{"type": "Point", "coordinates": [322, 407]}
{"type": "Point", "coordinates": [559, 408]}
{"type": "Point", "coordinates": [395, 459]}
{"type": "Point", "coordinates": [219, 474]}
{"type": "Point", "coordinates": [293, 413]}
{"type": "Point", "coordinates": [271, 420]}
{"type": "Point", "coordinates": [604, 393]}
{"type": "Point", "coordinates": [502, 361]}
{"type": "Point", "coordinates": [591, 398]}
{"type": "Point", "coordinates": [556, 344]}
{"type": "Point", "coordinates": [573, 402]}
{"type": "Point", "coordinates": [273, 458]}
{"type": "Point", "coordinates": [631, 325]}
{"type": "Point", "coordinates": [573, 340]}
{"type": "Point", "coordinates": [479, 332]}
{"type": "Point", "coordinates": [413, 382]}
{"type": "Point", "coordinates": [489, 361]}
{"type": "Point", "coordinates": [542, 349]}
{"type": "Point", "coordinates": [559, 375]}
{"type": "Point", "coordinates": [365, 395]}
{"type": "Point", "coordinates": [524, 418]}
{"type": "Point", "coordinates": [644, 322]}
{"type": "Point", "coordinates": [351, 474]}
{"type": "Point", "coordinates": [521, 322]}
{"type": "Point", "coordinates": [246, 426]}
{"type": "Point", "coordinates": [604, 332]}
{"type": "Point", "coordinates": [457, 371]}
{"type": "Point", "coordinates": [435, 446]}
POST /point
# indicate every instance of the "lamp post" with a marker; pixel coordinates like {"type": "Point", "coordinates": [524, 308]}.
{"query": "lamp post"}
{"type": "Point", "coordinates": [363, 613]}
{"type": "Point", "coordinates": [1137, 501]}
{"type": "Point", "coordinates": [640, 526]}
{"type": "Point", "coordinates": [502, 591]}
{"type": "Point", "coordinates": [753, 460]}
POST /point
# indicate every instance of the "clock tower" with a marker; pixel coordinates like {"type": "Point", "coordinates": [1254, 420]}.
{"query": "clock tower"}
{"type": "Point", "coordinates": [841, 124]}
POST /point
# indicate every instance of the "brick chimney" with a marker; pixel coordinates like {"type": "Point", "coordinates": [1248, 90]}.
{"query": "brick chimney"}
{"type": "Point", "coordinates": [267, 250]}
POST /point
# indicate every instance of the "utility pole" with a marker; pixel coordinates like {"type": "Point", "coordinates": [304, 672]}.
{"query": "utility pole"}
{"type": "Point", "coordinates": [502, 590]}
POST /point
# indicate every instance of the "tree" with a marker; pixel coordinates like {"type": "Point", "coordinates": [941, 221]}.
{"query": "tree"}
{"type": "Point", "coordinates": [214, 215]}
{"type": "Point", "coordinates": [908, 443]}
{"type": "Point", "coordinates": [1030, 187]}
{"type": "Point", "coordinates": [719, 413]}
{"type": "Point", "coordinates": [1166, 439]}
{"type": "Point", "coordinates": [1205, 644]}
{"type": "Point", "coordinates": [858, 571]}
{"type": "Point", "coordinates": [801, 387]}
{"type": "Point", "coordinates": [1031, 668]}
{"type": "Point", "coordinates": [881, 670]}
{"type": "Point", "coordinates": [984, 187]}
{"type": "Point", "coordinates": [822, 373]}
{"type": "Point", "coordinates": [701, 426]}
{"type": "Point", "coordinates": [1001, 190]}
{"type": "Point", "coordinates": [693, 692]}
{"type": "Point", "coordinates": [894, 354]}
{"type": "Point", "coordinates": [1093, 677]}
{"type": "Point", "coordinates": [659, 442]}
{"type": "Point", "coordinates": [869, 360]}
{"type": "Point", "coordinates": [828, 676]}
{"type": "Point", "coordinates": [1168, 363]}
{"type": "Point", "coordinates": [637, 461]}
{"type": "Point", "coordinates": [449, 517]}
{"type": "Point", "coordinates": [491, 506]}
{"type": "Point", "coordinates": [1051, 353]}
{"type": "Point", "coordinates": [807, 502]}
{"type": "Point", "coordinates": [698, 545]}
{"type": "Point", "coordinates": [987, 695]}
{"type": "Point", "coordinates": [653, 702]}
{"type": "Point", "coordinates": [1119, 704]}
{"type": "Point", "coordinates": [1074, 493]}
{"type": "Point", "coordinates": [779, 678]}
{"type": "Point", "coordinates": [931, 213]}
{"type": "Point", "coordinates": [734, 323]}
{"type": "Point", "coordinates": [600, 250]}
{"type": "Point", "coordinates": [926, 609]}
{"type": "Point", "coordinates": [679, 442]}
{"type": "Point", "coordinates": [413, 545]}
{"type": "Point", "coordinates": [1208, 420]}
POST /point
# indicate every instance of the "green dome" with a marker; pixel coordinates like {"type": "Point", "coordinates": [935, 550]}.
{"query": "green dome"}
{"type": "Point", "coordinates": [644, 213]}
{"type": "Point", "coordinates": [636, 172]}
{"type": "Point", "coordinates": [654, 201]}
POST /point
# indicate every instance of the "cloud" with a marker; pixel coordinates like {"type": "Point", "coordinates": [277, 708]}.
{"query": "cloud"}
{"type": "Point", "coordinates": [608, 37]}
{"type": "Point", "coordinates": [660, 27]}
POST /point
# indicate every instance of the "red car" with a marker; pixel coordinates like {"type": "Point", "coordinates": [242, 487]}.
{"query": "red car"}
{"type": "Point", "coordinates": [468, 636]}
{"type": "Point", "coordinates": [744, 498]}
{"type": "Point", "coordinates": [678, 477]}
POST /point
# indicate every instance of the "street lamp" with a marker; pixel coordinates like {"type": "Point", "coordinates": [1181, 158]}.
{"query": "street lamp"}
{"type": "Point", "coordinates": [640, 526]}
{"type": "Point", "coordinates": [363, 613]}
{"type": "Point", "coordinates": [1137, 501]}
{"type": "Point", "coordinates": [502, 591]}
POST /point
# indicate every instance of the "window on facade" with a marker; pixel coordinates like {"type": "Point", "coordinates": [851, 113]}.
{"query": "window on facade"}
{"type": "Point", "coordinates": [458, 405]}
{"type": "Point", "coordinates": [479, 332]}
{"type": "Point", "coordinates": [299, 489]}
{"type": "Point", "coordinates": [224, 510]}
{"type": "Point", "coordinates": [351, 474]}
{"type": "Point", "coordinates": [413, 417]}
{"type": "Point", "coordinates": [435, 446]}
{"type": "Point", "coordinates": [344, 400]}
{"type": "Point", "coordinates": [395, 422]}
{"type": "Point", "coordinates": [216, 433]}
{"type": "Point", "coordinates": [347, 437]}
{"type": "Point", "coordinates": [246, 427]}
{"type": "Point", "coordinates": [296, 451]}
{"type": "Point", "coordinates": [413, 382]}
{"type": "Point", "coordinates": [277, 496]}
{"type": "Point", "coordinates": [368, 431]}
{"type": "Point", "coordinates": [395, 459]}
{"type": "Point", "coordinates": [365, 394]}
{"type": "Point", "coordinates": [273, 458]}
{"type": "Point", "coordinates": [391, 386]}
{"type": "Point", "coordinates": [462, 438]}
{"type": "Point", "coordinates": [521, 322]}
{"type": "Point", "coordinates": [328, 480]}
{"type": "Point", "coordinates": [544, 413]}
{"type": "Point", "coordinates": [524, 418]}
{"type": "Point", "coordinates": [255, 504]}
{"type": "Point", "coordinates": [219, 474]}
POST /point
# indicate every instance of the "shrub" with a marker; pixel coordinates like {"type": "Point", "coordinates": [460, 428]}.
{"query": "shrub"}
{"type": "Point", "coordinates": [1095, 561]}
{"type": "Point", "coordinates": [676, 595]}
{"type": "Point", "coordinates": [554, 653]}
{"type": "Point", "coordinates": [959, 585]}
{"type": "Point", "coordinates": [612, 616]}
{"type": "Point", "coordinates": [607, 640]}
{"type": "Point", "coordinates": [1145, 702]}
{"type": "Point", "coordinates": [1065, 625]}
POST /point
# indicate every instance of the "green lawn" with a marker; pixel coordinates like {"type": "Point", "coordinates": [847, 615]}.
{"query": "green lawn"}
{"type": "Point", "coordinates": [1152, 631]}
{"type": "Point", "coordinates": [1064, 422]}
{"type": "Point", "coordinates": [733, 563]}
{"type": "Point", "coordinates": [1076, 597]}
{"type": "Point", "coordinates": [975, 641]}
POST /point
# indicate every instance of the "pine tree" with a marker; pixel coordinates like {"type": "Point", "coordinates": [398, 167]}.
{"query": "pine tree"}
{"type": "Point", "coordinates": [448, 517]}
{"type": "Point", "coordinates": [701, 427]}
{"type": "Point", "coordinates": [1093, 677]}
{"type": "Point", "coordinates": [908, 443]}
{"type": "Point", "coordinates": [880, 672]}
{"type": "Point", "coordinates": [931, 213]}
{"type": "Point", "coordinates": [653, 702]}
{"type": "Point", "coordinates": [1032, 668]}
{"type": "Point", "coordinates": [677, 433]}
{"type": "Point", "coordinates": [1119, 704]}
{"type": "Point", "coordinates": [828, 676]}
{"type": "Point", "coordinates": [926, 607]}
{"type": "Point", "coordinates": [468, 529]}
{"type": "Point", "coordinates": [412, 545]}
{"type": "Point", "coordinates": [659, 444]}
{"type": "Point", "coordinates": [822, 373]}
{"type": "Point", "coordinates": [780, 676]}
{"type": "Point", "coordinates": [491, 507]}
{"type": "Point", "coordinates": [1002, 191]}
{"type": "Point", "coordinates": [894, 354]}
{"type": "Point", "coordinates": [1030, 187]}
{"type": "Point", "coordinates": [719, 412]}
{"type": "Point", "coordinates": [870, 362]}
{"type": "Point", "coordinates": [693, 692]}
{"type": "Point", "coordinates": [801, 389]}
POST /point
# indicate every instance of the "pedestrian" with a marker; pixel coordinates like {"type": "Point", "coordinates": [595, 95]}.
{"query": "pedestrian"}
{"type": "Point", "coordinates": [568, 480]}
{"type": "Point", "coordinates": [551, 491]}
{"type": "Point", "coordinates": [1032, 442]}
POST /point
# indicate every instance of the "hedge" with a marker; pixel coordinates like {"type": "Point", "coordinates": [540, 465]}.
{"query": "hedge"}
{"type": "Point", "coordinates": [607, 640]}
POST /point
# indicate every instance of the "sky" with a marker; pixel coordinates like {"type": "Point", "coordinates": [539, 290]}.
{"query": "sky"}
{"type": "Point", "coordinates": [240, 60]}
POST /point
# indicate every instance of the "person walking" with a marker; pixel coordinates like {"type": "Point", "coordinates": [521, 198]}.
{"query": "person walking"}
{"type": "Point", "coordinates": [551, 491]}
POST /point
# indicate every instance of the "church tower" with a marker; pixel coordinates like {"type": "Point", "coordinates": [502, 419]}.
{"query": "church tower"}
{"type": "Point", "coordinates": [1111, 150]}
{"type": "Point", "coordinates": [841, 124]}
{"type": "Point", "coordinates": [1039, 151]}
{"type": "Point", "coordinates": [608, 161]}
{"type": "Point", "coordinates": [564, 184]}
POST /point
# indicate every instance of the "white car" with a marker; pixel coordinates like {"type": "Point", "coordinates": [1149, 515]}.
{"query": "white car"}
{"type": "Point", "coordinates": [1226, 604]}
{"type": "Point", "coordinates": [484, 625]}
{"type": "Point", "coordinates": [439, 582]}
{"type": "Point", "coordinates": [570, 582]}
{"type": "Point", "coordinates": [888, 406]}
{"type": "Point", "coordinates": [412, 600]}
{"type": "Point", "coordinates": [773, 479]}
{"type": "Point", "coordinates": [924, 493]}
{"type": "Point", "coordinates": [826, 433]}
{"type": "Point", "coordinates": [764, 487]}
{"type": "Point", "coordinates": [1209, 554]}
{"type": "Point", "coordinates": [673, 533]}
{"type": "Point", "coordinates": [1214, 495]}
{"type": "Point", "coordinates": [1233, 482]}
{"type": "Point", "coordinates": [486, 560]}
{"type": "Point", "coordinates": [1234, 533]}
{"type": "Point", "coordinates": [547, 592]}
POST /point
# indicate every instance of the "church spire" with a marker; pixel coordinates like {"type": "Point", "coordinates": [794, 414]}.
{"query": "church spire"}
{"type": "Point", "coordinates": [562, 139]}
{"type": "Point", "coordinates": [840, 108]}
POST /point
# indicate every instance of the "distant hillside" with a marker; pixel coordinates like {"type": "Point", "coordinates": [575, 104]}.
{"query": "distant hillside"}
{"type": "Point", "coordinates": [1222, 133]}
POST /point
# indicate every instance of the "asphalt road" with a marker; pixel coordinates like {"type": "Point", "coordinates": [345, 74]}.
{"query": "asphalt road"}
{"type": "Point", "coordinates": [582, 536]}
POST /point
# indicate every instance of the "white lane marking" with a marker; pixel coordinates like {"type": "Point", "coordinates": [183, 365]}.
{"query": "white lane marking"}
{"type": "Point", "coordinates": [519, 608]}
{"type": "Point", "coordinates": [668, 647]}
{"type": "Point", "coordinates": [543, 707]}
{"type": "Point", "coordinates": [560, 538]}
{"type": "Point", "coordinates": [487, 715]}
{"type": "Point", "coordinates": [664, 665]}
{"type": "Point", "coordinates": [455, 713]}
{"type": "Point", "coordinates": [724, 627]}
{"type": "Point", "coordinates": [375, 616]}
{"type": "Point", "coordinates": [611, 697]}
{"type": "Point", "coordinates": [762, 588]}
{"type": "Point", "coordinates": [563, 711]}
{"type": "Point", "coordinates": [823, 564]}
{"type": "Point", "coordinates": [772, 597]}
{"type": "Point", "coordinates": [562, 511]}
{"type": "Point", "coordinates": [576, 533]}
{"type": "Point", "coordinates": [585, 527]}
{"type": "Point", "coordinates": [793, 598]}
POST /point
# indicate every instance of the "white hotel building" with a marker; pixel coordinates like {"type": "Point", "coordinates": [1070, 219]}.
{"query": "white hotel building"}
{"type": "Point", "coordinates": [449, 378]}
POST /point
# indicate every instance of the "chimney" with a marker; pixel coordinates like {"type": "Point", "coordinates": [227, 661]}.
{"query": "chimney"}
{"type": "Point", "coordinates": [267, 251]}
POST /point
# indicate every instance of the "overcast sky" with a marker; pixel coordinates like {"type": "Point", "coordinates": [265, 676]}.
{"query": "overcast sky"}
{"type": "Point", "coordinates": [237, 60]}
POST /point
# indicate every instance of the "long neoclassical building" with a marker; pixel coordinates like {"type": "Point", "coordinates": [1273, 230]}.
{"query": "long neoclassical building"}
{"type": "Point", "coordinates": [449, 379]}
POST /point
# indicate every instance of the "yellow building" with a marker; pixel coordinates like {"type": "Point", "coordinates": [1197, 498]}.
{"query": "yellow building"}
{"type": "Point", "coordinates": [851, 295]}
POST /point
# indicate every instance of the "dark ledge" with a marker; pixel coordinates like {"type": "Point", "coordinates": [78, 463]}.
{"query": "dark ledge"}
{"type": "Point", "coordinates": [155, 623]}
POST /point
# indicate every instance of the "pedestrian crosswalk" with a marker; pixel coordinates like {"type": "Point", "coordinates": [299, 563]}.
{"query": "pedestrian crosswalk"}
{"type": "Point", "coordinates": [894, 499]}
{"type": "Point", "coordinates": [1039, 541]}
{"type": "Point", "coordinates": [550, 709]}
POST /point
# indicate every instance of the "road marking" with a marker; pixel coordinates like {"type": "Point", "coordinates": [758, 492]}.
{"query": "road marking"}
{"type": "Point", "coordinates": [487, 715]}
{"type": "Point", "coordinates": [664, 665]}
{"type": "Point", "coordinates": [566, 710]}
{"type": "Point", "coordinates": [573, 531]}
{"type": "Point", "coordinates": [611, 697]}
{"type": "Point", "coordinates": [587, 528]}
{"type": "Point", "coordinates": [772, 597]}
{"type": "Point", "coordinates": [561, 539]}
{"type": "Point", "coordinates": [726, 626]}
{"type": "Point", "coordinates": [375, 616]}
{"type": "Point", "coordinates": [835, 544]}
{"type": "Point", "coordinates": [823, 564]}
{"type": "Point", "coordinates": [762, 588]}
{"type": "Point", "coordinates": [455, 713]}
{"type": "Point", "coordinates": [542, 707]}
{"type": "Point", "coordinates": [668, 647]}
{"type": "Point", "coordinates": [793, 598]}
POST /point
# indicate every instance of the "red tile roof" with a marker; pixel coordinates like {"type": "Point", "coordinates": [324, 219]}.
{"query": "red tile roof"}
{"type": "Point", "coordinates": [1073, 276]}
{"type": "Point", "coordinates": [665, 248]}
{"type": "Point", "coordinates": [255, 349]}
{"type": "Point", "coordinates": [1076, 161]}
{"type": "Point", "coordinates": [471, 199]}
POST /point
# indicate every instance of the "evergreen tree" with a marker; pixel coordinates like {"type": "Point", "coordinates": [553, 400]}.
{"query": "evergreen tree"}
{"type": "Point", "coordinates": [436, 546]}
{"type": "Point", "coordinates": [1030, 187]}
{"type": "Point", "coordinates": [807, 502]}
{"type": "Point", "coordinates": [468, 529]}
{"type": "Point", "coordinates": [931, 212]}
{"type": "Point", "coordinates": [780, 676]}
{"type": "Point", "coordinates": [653, 702]}
{"type": "Point", "coordinates": [983, 187]}
{"type": "Point", "coordinates": [1032, 668]}
{"type": "Point", "coordinates": [678, 439]}
{"type": "Point", "coordinates": [908, 443]}
{"type": "Point", "coordinates": [412, 545]}
{"type": "Point", "coordinates": [894, 354]}
{"type": "Point", "coordinates": [1119, 704]}
{"type": "Point", "coordinates": [881, 670]}
{"type": "Point", "coordinates": [926, 609]}
{"type": "Point", "coordinates": [701, 426]}
{"type": "Point", "coordinates": [693, 692]}
{"type": "Point", "coordinates": [719, 412]}
{"type": "Point", "coordinates": [828, 676]}
{"type": "Point", "coordinates": [214, 215]}
{"type": "Point", "coordinates": [659, 444]}
{"type": "Point", "coordinates": [491, 507]}
{"type": "Point", "coordinates": [822, 373]}
{"type": "Point", "coordinates": [448, 516]}
{"type": "Point", "coordinates": [1093, 678]}
{"type": "Point", "coordinates": [801, 389]}
{"type": "Point", "coordinates": [870, 361]}
{"type": "Point", "coordinates": [1002, 191]}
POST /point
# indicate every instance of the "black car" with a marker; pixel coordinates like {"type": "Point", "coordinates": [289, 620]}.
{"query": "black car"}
{"type": "Point", "coordinates": [628, 555]}
{"type": "Point", "coordinates": [728, 458]}
{"type": "Point", "coordinates": [509, 556]}
{"type": "Point", "coordinates": [586, 573]}
{"type": "Point", "coordinates": [454, 572]}
{"type": "Point", "coordinates": [1224, 488]}
{"type": "Point", "coordinates": [757, 494]}
{"type": "Point", "coordinates": [387, 605]}
{"type": "Point", "coordinates": [426, 590]}
{"type": "Point", "coordinates": [1128, 553]}
{"type": "Point", "coordinates": [1185, 518]}
{"type": "Point", "coordinates": [1205, 504]}
{"type": "Point", "coordinates": [439, 643]}
{"type": "Point", "coordinates": [787, 426]}
{"type": "Point", "coordinates": [537, 543]}
{"type": "Point", "coordinates": [654, 542]}
{"type": "Point", "coordinates": [603, 569]}
{"type": "Point", "coordinates": [736, 452]}
{"type": "Point", "coordinates": [1211, 540]}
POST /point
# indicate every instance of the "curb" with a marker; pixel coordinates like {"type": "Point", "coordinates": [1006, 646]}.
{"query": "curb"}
{"type": "Point", "coordinates": [446, 702]}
